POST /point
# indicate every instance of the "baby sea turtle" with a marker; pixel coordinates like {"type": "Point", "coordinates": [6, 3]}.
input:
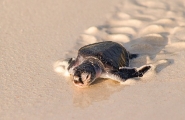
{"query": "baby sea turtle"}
{"type": "Point", "coordinates": [105, 60]}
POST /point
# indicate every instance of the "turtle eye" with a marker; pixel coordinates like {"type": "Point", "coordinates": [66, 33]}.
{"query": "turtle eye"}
{"type": "Point", "coordinates": [87, 76]}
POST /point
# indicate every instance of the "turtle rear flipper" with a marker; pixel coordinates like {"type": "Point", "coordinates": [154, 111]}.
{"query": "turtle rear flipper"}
{"type": "Point", "coordinates": [123, 74]}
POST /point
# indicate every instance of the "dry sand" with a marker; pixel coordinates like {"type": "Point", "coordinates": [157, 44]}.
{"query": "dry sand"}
{"type": "Point", "coordinates": [34, 35]}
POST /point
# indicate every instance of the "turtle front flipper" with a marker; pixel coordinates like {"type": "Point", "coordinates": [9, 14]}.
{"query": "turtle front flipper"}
{"type": "Point", "coordinates": [125, 73]}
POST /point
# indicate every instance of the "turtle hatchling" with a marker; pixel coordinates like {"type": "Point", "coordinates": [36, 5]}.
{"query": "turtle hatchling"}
{"type": "Point", "coordinates": [103, 60]}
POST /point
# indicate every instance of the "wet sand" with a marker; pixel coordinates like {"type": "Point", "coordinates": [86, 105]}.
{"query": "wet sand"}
{"type": "Point", "coordinates": [35, 36]}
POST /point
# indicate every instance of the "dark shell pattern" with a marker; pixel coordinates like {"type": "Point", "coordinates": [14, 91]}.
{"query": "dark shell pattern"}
{"type": "Point", "coordinates": [111, 54]}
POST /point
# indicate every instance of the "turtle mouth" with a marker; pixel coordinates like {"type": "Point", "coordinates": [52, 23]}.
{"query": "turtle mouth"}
{"type": "Point", "coordinates": [82, 80]}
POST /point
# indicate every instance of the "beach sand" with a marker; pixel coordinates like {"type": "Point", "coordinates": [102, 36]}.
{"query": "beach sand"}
{"type": "Point", "coordinates": [36, 36]}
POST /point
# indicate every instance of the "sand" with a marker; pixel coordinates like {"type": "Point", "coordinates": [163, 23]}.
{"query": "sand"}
{"type": "Point", "coordinates": [35, 35]}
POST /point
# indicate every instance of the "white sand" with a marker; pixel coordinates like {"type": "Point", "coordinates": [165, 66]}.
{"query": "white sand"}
{"type": "Point", "coordinates": [35, 34]}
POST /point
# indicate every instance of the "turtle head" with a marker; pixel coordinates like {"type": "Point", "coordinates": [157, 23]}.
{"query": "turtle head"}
{"type": "Point", "coordinates": [86, 73]}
